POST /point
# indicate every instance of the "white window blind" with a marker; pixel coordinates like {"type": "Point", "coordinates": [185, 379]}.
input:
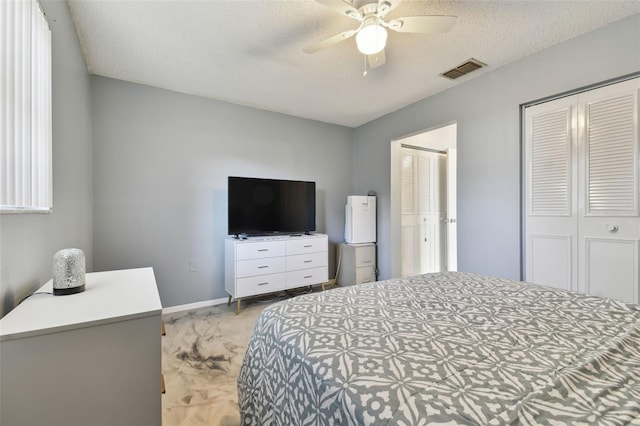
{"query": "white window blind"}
{"type": "Point", "coordinates": [25, 108]}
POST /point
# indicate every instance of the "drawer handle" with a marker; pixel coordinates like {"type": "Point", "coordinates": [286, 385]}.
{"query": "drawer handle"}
{"type": "Point", "coordinates": [263, 249]}
{"type": "Point", "coordinates": [263, 266]}
{"type": "Point", "coordinates": [310, 245]}
{"type": "Point", "coordinates": [308, 276]}
{"type": "Point", "coordinates": [366, 261]}
{"type": "Point", "coordinates": [308, 261]}
{"type": "Point", "coordinates": [265, 283]}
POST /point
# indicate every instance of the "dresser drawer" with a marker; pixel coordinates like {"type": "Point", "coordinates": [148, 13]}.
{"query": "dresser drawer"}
{"type": "Point", "coordinates": [269, 265]}
{"type": "Point", "coordinates": [259, 284]}
{"type": "Point", "coordinates": [366, 274]}
{"type": "Point", "coordinates": [306, 261]}
{"type": "Point", "coordinates": [306, 245]}
{"type": "Point", "coordinates": [261, 265]}
{"type": "Point", "coordinates": [259, 250]}
{"type": "Point", "coordinates": [365, 256]}
{"type": "Point", "coordinates": [307, 277]}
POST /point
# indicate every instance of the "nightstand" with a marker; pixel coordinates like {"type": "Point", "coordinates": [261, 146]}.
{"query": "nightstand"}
{"type": "Point", "coordinates": [357, 263]}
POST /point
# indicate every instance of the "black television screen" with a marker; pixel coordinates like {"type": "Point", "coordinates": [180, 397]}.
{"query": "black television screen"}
{"type": "Point", "coordinates": [268, 206]}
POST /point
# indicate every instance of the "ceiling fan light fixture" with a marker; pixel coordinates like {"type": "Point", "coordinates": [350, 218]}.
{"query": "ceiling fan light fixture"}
{"type": "Point", "coordinates": [371, 39]}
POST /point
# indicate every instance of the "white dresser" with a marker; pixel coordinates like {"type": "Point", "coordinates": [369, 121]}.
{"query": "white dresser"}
{"type": "Point", "coordinates": [259, 265]}
{"type": "Point", "coordinates": [357, 263]}
{"type": "Point", "coordinates": [92, 358]}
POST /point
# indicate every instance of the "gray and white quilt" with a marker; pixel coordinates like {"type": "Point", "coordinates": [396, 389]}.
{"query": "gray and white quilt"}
{"type": "Point", "coordinates": [450, 348]}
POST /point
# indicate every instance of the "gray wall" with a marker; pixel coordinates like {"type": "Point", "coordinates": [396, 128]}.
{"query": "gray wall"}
{"type": "Point", "coordinates": [29, 241]}
{"type": "Point", "coordinates": [486, 110]}
{"type": "Point", "coordinates": [161, 160]}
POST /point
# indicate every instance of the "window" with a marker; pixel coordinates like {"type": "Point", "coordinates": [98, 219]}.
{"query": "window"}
{"type": "Point", "coordinates": [25, 108]}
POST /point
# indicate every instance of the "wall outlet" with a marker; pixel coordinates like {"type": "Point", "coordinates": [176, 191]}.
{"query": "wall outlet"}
{"type": "Point", "coordinates": [192, 266]}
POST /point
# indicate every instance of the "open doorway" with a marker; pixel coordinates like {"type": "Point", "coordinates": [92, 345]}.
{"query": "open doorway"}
{"type": "Point", "coordinates": [423, 202]}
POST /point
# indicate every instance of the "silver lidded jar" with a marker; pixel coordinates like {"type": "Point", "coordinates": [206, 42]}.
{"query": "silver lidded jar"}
{"type": "Point", "coordinates": [68, 272]}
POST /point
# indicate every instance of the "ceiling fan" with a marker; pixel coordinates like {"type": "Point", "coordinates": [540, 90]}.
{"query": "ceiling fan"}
{"type": "Point", "coordinates": [371, 35]}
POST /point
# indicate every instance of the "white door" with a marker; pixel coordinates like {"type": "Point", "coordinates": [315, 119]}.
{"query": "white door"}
{"type": "Point", "coordinates": [608, 214]}
{"type": "Point", "coordinates": [582, 180]}
{"type": "Point", "coordinates": [432, 211]}
{"type": "Point", "coordinates": [408, 217]}
{"type": "Point", "coordinates": [451, 218]}
{"type": "Point", "coordinates": [424, 215]}
{"type": "Point", "coordinates": [550, 195]}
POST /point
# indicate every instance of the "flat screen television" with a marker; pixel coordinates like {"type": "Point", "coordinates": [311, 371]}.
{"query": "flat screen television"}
{"type": "Point", "coordinates": [271, 206]}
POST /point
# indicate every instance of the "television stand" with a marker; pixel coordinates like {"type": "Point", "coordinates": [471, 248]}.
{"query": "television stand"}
{"type": "Point", "coordinates": [265, 265]}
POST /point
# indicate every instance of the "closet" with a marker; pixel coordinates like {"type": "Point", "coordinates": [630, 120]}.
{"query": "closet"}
{"type": "Point", "coordinates": [424, 218]}
{"type": "Point", "coordinates": [581, 182]}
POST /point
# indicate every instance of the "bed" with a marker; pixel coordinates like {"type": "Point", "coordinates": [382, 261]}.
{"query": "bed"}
{"type": "Point", "coordinates": [447, 348]}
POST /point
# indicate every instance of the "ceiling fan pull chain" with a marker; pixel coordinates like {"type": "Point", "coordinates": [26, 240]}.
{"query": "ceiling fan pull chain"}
{"type": "Point", "coordinates": [365, 66]}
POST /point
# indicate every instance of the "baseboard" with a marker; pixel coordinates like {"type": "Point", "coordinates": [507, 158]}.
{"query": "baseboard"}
{"type": "Point", "coordinates": [196, 305]}
{"type": "Point", "coordinates": [214, 302]}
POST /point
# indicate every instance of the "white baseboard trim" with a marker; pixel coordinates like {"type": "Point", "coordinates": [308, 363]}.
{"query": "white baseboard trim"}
{"type": "Point", "coordinates": [196, 305]}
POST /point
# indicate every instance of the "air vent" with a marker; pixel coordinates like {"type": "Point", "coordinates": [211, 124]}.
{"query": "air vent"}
{"type": "Point", "coordinates": [463, 69]}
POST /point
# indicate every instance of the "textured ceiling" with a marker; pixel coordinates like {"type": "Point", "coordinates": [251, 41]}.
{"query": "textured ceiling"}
{"type": "Point", "coordinates": [250, 52]}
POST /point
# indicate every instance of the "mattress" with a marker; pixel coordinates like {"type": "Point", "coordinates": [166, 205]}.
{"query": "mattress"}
{"type": "Point", "coordinates": [447, 348]}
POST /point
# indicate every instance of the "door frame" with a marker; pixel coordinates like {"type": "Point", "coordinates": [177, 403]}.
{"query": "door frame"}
{"type": "Point", "coordinates": [424, 139]}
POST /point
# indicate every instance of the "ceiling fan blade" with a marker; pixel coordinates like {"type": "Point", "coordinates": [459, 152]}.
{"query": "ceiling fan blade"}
{"type": "Point", "coordinates": [376, 60]}
{"type": "Point", "coordinates": [386, 6]}
{"type": "Point", "coordinates": [342, 8]}
{"type": "Point", "coordinates": [330, 41]}
{"type": "Point", "coordinates": [422, 24]}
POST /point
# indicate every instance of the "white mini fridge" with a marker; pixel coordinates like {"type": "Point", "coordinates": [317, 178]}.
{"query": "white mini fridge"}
{"type": "Point", "coordinates": [360, 223]}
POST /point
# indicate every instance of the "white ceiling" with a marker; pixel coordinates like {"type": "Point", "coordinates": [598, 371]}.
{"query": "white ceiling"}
{"type": "Point", "coordinates": [250, 52]}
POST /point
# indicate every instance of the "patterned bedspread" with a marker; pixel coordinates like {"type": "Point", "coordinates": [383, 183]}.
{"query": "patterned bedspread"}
{"type": "Point", "coordinates": [450, 348]}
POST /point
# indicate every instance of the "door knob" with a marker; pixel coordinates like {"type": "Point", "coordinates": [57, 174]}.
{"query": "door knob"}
{"type": "Point", "coordinates": [611, 227]}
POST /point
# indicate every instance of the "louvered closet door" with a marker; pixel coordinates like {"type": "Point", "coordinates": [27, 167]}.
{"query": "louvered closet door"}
{"type": "Point", "coordinates": [582, 192]}
{"type": "Point", "coordinates": [409, 235]}
{"type": "Point", "coordinates": [609, 221]}
{"type": "Point", "coordinates": [550, 197]}
{"type": "Point", "coordinates": [424, 211]}
{"type": "Point", "coordinates": [431, 193]}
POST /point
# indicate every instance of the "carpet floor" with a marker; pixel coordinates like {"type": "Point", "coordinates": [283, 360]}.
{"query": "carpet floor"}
{"type": "Point", "coordinates": [202, 352]}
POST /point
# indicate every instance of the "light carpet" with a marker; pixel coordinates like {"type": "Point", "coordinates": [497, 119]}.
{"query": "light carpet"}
{"type": "Point", "coordinates": [201, 357]}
